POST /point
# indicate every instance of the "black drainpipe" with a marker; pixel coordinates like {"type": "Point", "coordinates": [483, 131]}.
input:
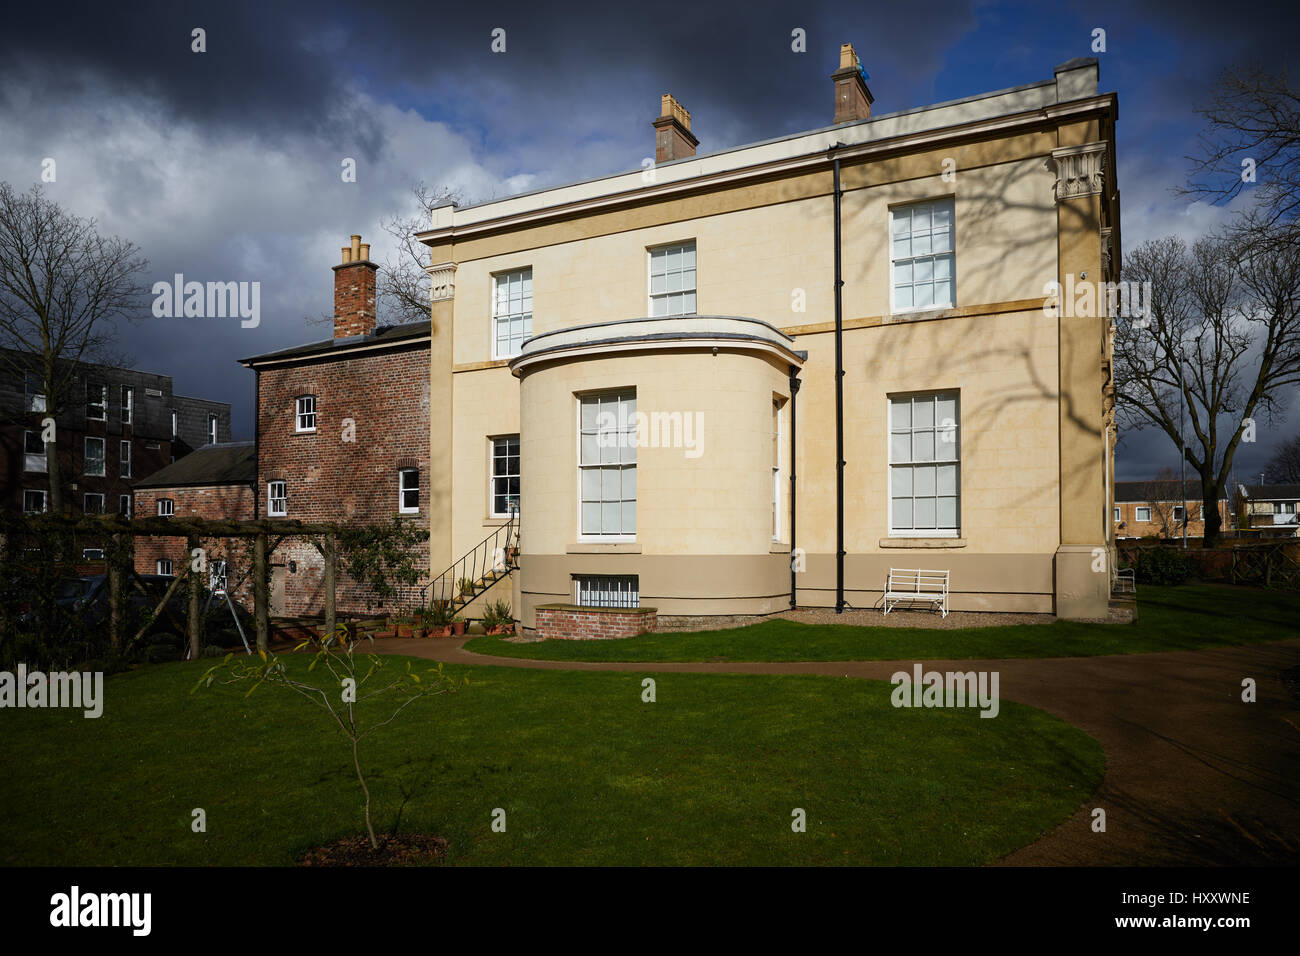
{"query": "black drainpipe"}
{"type": "Point", "coordinates": [794, 392]}
{"type": "Point", "coordinates": [839, 400]}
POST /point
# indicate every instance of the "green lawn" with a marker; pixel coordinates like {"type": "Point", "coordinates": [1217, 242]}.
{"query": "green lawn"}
{"type": "Point", "coordinates": [586, 772]}
{"type": "Point", "coordinates": [1170, 619]}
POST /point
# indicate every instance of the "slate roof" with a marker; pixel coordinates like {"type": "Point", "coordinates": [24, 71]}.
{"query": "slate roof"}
{"type": "Point", "coordinates": [384, 334]}
{"type": "Point", "coordinates": [230, 463]}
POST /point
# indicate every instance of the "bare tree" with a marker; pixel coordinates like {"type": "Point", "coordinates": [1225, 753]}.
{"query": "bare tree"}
{"type": "Point", "coordinates": [1284, 466]}
{"type": "Point", "coordinates": [62, 286]}
{"type": "Point", "coordinates": [1221, 344]}
{"type": "Point", "coordinates": [403, 284]}
{"type": "Point", "coordinates": [1252, 139]}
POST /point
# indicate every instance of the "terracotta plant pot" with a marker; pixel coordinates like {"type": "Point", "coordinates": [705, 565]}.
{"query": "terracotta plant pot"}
{"type": "Point", "coordinates": [404, 630]}
{"type": "Point", "coordinates": [458, 628]}
{"type": "Point", "coordinates": [444, 631]}
{"type": "Point", "coordinates": [417, 632]}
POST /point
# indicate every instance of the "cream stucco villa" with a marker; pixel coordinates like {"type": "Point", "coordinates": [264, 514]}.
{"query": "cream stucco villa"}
{"type": "Point", "coordinates": [645, 364]}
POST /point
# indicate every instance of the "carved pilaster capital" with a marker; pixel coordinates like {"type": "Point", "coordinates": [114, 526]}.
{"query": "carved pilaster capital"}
{"type": "Point", "coordinates": [1080, 170]}
{"type": "Point", "coordinates": [443, 278]}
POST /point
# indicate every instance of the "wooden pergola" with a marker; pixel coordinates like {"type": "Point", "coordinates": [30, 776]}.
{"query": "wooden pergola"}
{"type": "Point", "coordinates": [266, 535]}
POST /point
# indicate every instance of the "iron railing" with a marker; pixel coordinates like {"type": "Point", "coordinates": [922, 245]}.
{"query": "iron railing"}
{"type": "Point", "coordinates": [488, 562]}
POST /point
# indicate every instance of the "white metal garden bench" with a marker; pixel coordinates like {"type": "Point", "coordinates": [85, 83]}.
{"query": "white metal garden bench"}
{"type": "Point", "coordinates": [912, 585]}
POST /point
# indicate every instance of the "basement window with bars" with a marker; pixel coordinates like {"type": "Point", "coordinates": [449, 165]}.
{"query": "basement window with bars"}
{"type": "Point", "coordinates": [921, 256]}
{"type": "Point", "coordinates": [408, 491]}
{"type": "Point", "coordinates": [924, 465]}
{"type": "Point", "coordinates": [672, 280]}
{"type": "Point", "coordinates": [277, 499]}
{"type": "Point", "coordinates": [512, 312]}
{"type": "Point", "coordinates": [607, 465]}
{"type": "Point", "coordinates": [607, 590]}
{"type": "Point", "coordinates": [304, 421]}
{"type": "Point", "coordinates": [505, 476]}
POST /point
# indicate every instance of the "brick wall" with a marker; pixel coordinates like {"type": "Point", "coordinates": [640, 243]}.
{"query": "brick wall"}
{"type": "Point", "coordinates": [209, 502]}
{"type": "Point", "coordinates": [572, 622]}
{"type": "Point", "coordinates": [342, 471]}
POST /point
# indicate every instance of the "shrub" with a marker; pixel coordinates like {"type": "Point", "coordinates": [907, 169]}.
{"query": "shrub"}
{"type": "Point", "coordinates": [1163, 566]}
{"type": "Point", "coordinates": [497, 614]}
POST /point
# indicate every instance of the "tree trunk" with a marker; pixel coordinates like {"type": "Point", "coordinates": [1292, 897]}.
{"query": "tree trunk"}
{"type": "Point", "coordinates": [1210, 495]}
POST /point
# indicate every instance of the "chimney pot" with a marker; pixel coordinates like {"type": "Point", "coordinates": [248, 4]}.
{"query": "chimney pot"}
{"type": "Point", "coordinates": [853, 98]}
{"type": "Point", "coordinates": [354, 291]}
{"type": "Point", "coordinates": [673, 136]}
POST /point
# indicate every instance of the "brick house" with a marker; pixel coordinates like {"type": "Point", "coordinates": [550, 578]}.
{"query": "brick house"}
{"type": "Point", "coordinates": [215, 482]}
{"type": "Point", "coordinates": [342, 434]}
{"type": "Point", "coordinates": [115, 427]}
{"type": "Point", "coordinates": [1155, 508]}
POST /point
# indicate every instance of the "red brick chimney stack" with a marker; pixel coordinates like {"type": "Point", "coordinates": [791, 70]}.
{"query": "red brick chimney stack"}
{"type": "Point", "coordinates": [673, 137]}
{"type": "Point", "coordinates": [852, 97]}
{"type": "Point", "coordinates": [354, 291]}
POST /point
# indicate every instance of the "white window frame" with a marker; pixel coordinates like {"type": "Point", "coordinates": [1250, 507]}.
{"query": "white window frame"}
{"type": "Point", "coordinates": [1137, 514]}
{"type": "Point", "coordinates": [277, 506]}
{"type": "Point", "coordinates": [128, 404]}
{"type": "Point", "coordinates": [601, 440]}
{"type": "Point", "coordinates": [212, 429]}
{"type": "Point", "coordinates": [684, 249]}
{"type": "Point", "coordinates": [124, 459]}
{"type": "Point", "coordinates": [92, 554]}
{"type": "Point", "coordinates": [163, 567]}
{"type": "Point", "coordinates": [1117, 514]}
{"type": "Point", "coordinates": [45, 500]}
{"type": "Point", "coordinates": [1178, 518]}
{"type": "Point", "coordinates": [166, 507]}
{"type": "Point", "coordinates": [100, 406]}
{"type": "Point", "coordinates": [607, 590]}
{"type": "Point", "coordinates": [945, 204]}
{"type": "Point", "coordinates": [124, 505]}
{"type": "Point", "coordinates": [522, 318]}
{"type": "Point", "coordinates": [33, 400]}
{"type": "Point", "coordinates": [402, 489]}
{"type": "Point", "coordinates": [174, 432]}
{"type": "Point", "coordinates": [303, 412]}
{"type": "Point", "coordinates": [85, 498]}
{"type": "Point", "coordinates": [35, 462]}
{"type": "Point", "coordinates": [494, 477]}
{"type": "Point", "coordinates": [103, 458]}
{"type": "Point", "coordinates": [941, 435]}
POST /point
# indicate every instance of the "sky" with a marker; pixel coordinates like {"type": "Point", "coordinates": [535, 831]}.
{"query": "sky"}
{"type": "Point", "coordinates": [225, 165]}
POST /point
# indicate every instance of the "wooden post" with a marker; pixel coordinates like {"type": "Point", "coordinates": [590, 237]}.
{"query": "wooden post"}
{"type": "Point", "coordinates": [196, 585]}
{"type": "Point", "coordinates": [261, 595]}
{"type": "Point", "coordinates": [115, 557]}
{"type": "Point", "coordinates": [330, 556]}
